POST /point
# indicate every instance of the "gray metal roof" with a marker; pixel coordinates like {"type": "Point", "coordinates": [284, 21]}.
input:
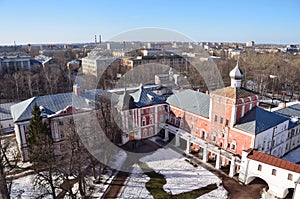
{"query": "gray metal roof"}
{"type": "Point", "coordinates": [258, 120]}
{"type": "Point", "coordinates": [289, 112]}
{"type": "Point", "coordinates": [5, 113]}
{"type": "Point", "coordinates": [191, 101]}
{"type": "Point", "coordinates": [50, 103]}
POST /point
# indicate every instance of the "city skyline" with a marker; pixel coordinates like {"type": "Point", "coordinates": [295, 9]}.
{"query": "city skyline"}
{"type": "Point", "coordinates": [68, 21]}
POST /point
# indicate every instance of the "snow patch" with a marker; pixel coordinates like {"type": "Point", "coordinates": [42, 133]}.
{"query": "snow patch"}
{"type": "Point", "coordinates": [180, 176]}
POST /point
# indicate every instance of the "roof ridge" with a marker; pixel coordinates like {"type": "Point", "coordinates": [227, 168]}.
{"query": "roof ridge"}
{"type": "Point", "coordinates": [23, 108]}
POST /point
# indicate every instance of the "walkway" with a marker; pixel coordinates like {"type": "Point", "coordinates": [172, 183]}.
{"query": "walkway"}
{"type": "Point", "coordinates": [118, 183]}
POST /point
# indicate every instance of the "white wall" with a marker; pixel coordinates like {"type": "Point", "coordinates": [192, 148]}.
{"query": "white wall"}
{"type": "Point", "coordinates": [278, 184]}
{"type": "Point", "coordinates": [263, 141]}
{"type": "Point", "coordinates": [293, 139]}
{"type": "Point", "coordinates": [6, 125]}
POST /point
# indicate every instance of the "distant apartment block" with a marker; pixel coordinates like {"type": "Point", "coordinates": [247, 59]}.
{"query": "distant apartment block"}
{"type": "Point", "coordinates": [250, 43]}
{"type": "Point", "coordinates": [165, 57]}
{"type": "Point", "coordinates": [95, 65]}
{"type": "Point", "coordinates": [95, 62]}
{"type": "Point", "coordinates": [12, 63]}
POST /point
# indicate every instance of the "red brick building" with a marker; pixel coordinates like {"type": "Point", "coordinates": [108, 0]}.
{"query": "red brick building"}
{"type": "Point", "coordinates": [141, 113]}
{"type": "Point", "coordinates": [213, 117]}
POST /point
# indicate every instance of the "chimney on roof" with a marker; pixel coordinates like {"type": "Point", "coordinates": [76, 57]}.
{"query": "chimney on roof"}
{"type": "Point", "coordinates": [76, 89]}
{"type": "Point", "coordinates": [141, 87]}
{"type": "Point", "coordinates": [283, 105]}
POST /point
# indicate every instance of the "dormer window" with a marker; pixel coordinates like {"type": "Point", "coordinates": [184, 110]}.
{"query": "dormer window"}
{"type": "Point", "coordinates": [42, 109]}
{"type": "Point", "coordinates": [151, 98]}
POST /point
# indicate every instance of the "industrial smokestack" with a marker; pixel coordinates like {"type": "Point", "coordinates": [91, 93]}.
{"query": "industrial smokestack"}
{"type": "Point", "coordinates": [99, 39]}
{"type": "Point", "coordinates": [95, 39]}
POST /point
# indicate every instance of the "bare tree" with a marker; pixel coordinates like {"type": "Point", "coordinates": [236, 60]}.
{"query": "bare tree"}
{"type": "Point", "coordinates": [42, 155]}
{"type": "Point", "coordinates": [8, 162]}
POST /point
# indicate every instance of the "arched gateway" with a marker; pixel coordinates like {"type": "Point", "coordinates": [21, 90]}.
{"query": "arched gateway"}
{"type": "Point", "coordinates": [280, 175]}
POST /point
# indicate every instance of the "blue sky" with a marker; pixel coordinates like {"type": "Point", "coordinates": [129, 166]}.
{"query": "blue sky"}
{"type": "Point", "coordinates": [69, 21]}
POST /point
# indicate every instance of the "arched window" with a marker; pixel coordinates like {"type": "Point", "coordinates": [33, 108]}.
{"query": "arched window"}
{"type": "Point", "coordinates": [202, 134]}
{"type": "Point", "coordinates": [290, 176]}
{"type": "Point", "coordinates": [162, 118]}
{"type": "Point", "coordinates": [181, 123]}
{"type": "Point", "coordinates": [145, 131]}
{"type": "Point", "coordinates": [233, 145]}
{"type": "Point", "coordinates": [214, 138]}
{"type": "Point", "coordinates": [151, 119]}
{"type": "Point", "coordinates": [274, 172]}
{"type": "Point", "coordinates": [151, 131]}
{"type": "Point", "coordinates": [144, 121]}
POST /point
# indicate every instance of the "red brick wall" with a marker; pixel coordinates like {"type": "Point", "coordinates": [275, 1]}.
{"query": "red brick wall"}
{"type": "Point", "coordinates": [243, 141]}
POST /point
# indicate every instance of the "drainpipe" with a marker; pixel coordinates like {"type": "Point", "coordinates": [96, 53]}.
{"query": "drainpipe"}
{"type": "Point", "coordinates": [272, 142]}
{"type": "Point", "coordinates": [295, 195]}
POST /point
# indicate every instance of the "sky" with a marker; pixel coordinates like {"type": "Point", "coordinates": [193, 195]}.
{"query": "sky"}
{"type": "Point", "coordinates": [74, 21]}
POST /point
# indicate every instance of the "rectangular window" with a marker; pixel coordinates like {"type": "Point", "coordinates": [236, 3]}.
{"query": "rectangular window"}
{"type": "Point", "coordinates": [214, 138]}
{"type": "Point", "coordinates": [232, 146]}
{"type": "Point", "coordinates": [216, 118]}
{"type": "Point", "coordinates": [226, 122]}
{"type": "Point", "coordinates": [151, 119]}
{"type": "Point", "coordinates": [259, 167]}
{"type": "Point", "coordinates": [221, 120]}
{"type": "Point", "coordinates": [290, 176]}
{"type": "Point", "coordinates": [62, 135]}
{"type": "Point", "coordinates": [144, 121]}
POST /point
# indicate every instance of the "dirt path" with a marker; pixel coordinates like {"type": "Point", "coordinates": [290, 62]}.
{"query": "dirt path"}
{"type": "Point", "coordinates": [118, 182]}
{"type": "Point", "coordinates": [116, 185]}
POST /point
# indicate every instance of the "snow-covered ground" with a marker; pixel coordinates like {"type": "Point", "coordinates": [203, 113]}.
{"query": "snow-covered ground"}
{"type": "Point", "coordinates": [293, 156]}
{"type": "Point", "coordinates": [23, 187]}
{"type": "Point", "coordinates": [135, 187]}
{"type": "Point", "coordinates": [180, 176]}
